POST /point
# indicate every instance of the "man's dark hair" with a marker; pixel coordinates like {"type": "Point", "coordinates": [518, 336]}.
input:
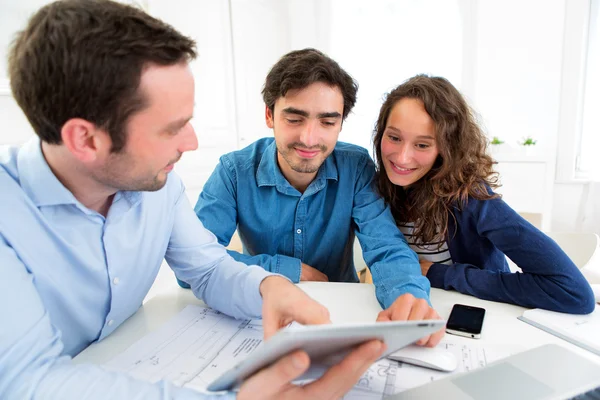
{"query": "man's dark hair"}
{"type": "Point", "coordinates": [301, 68]}
{"type": "Point", "coordinates": [84, 59]}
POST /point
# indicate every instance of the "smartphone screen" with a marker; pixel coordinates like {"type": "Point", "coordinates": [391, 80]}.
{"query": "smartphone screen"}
{"type": "Point", "coordinates": [466, 319]}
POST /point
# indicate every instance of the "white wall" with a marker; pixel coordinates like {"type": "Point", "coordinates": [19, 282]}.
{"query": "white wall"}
{"type": "Point", "coordinates": [576, 207]}
{"type": "Point", "coordinates": [15, 128]}
{"type": "Point", "coordinates": [260, 34]}
{"type": "Point", "coordinates": [13, 15]}
{"type": "Point", "coordinates": [518, 77]}
{"type": "Point", "coordinates": [382, 43]}
{"type": "Point", "coordinates": [518, 68]}
{"type": "Point", "coordinates": [376, 42]}
{"type": "Point", "coordinates": [567, 200]}
{"type": "Point", "coordinates": [506, 56]}
{"type": "Point", "coordinates": [207, 22]}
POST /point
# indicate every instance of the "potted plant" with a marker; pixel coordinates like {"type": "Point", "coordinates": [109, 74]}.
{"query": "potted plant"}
{"type": "Point", "coordinates": [497, 145]}
{"type": "Point", "coordinates": [528, 144]}
{"type": "Point", "coordinates": [496, 141]}
{"type": "Point", "coordinates": [528, 141]}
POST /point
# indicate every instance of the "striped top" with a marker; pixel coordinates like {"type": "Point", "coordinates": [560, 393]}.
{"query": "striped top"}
{"type": "Point", "coordinates": [432, 252]}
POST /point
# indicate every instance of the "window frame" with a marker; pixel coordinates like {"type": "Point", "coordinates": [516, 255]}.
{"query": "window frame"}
{"type": "Point", "coordinates": [5, 87]}
{"type": "Point", "coordinates": [593, 40]}
{"type": "Point", "coordinates": [575, 51]}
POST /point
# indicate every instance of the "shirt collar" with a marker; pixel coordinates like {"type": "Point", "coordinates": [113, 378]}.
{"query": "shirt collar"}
{"type": "Point", "coordinates": [38, 180]}
{"type": "Point", "coordinates": [42, 186]}
{"type": "Point", "coordinates": [269, 174]}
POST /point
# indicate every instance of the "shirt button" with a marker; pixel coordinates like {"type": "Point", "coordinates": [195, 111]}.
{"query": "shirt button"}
{"type": "Point", "coordinates": [116, 281]}
{"type": "Point", "coordinates": [109, 323]}
{"type": "Point", "coordinates": [299, 231]}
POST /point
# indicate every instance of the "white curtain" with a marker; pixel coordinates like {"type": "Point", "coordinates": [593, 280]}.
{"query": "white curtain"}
{"type": "Point", "coordinates": [589, 162]}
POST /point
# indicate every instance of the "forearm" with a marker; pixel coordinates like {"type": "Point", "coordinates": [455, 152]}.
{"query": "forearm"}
{"type": "Point", "coordinates": [289, 267]}
{"type": "Point", "coordinates": [396, 276]}
{"type": "Point", "coordinates": [234, 289]}
{"type": "Point", "coordinates": [549, 279]}
{"type": "Point", "coordinates": [198, 259]}
{"type": "Point", "coordinates": [568, 293]}
{"type": "Point", "coordinates": [394, 266]}
{"type": "Point", "coordinates": [388, 287]}
{"type": "Point", "coordinates": [32, 360]}
{"type": "Point", "coordinates": [64, 380]}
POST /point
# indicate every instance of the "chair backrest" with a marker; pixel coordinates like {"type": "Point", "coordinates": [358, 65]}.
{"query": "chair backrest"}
{"type": "Point", "coordinates": [534, 219]}
{"type": "Point", "coordinates": [364, 275]}
{"type": "Point", "coordinates": [583, 249]}
{"type": "Point", "coordinates": [580, 247]}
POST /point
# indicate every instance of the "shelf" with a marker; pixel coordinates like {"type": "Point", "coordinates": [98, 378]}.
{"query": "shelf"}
{"type": "Point", "coordinates": [520, 157]}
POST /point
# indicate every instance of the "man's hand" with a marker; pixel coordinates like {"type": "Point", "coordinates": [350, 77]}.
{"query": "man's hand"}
{"type": "Point", "coordinates": [283, 303]}
{"type": "Point", "coordinates": [309, 273]}
{"type": "Point", "coordinates": [273, 382]}
{"type": "Point", "coordinates": [408, 307]}
{"type": "Point", "coordinates": [425, 265]}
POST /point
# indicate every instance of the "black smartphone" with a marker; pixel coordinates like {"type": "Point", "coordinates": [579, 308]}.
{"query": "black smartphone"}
{"type": "Point", "coordinates": [466, 321]}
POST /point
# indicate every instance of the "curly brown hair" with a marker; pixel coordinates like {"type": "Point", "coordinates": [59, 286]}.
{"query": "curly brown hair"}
{"type": "Point", "coordinates": [461, 170]}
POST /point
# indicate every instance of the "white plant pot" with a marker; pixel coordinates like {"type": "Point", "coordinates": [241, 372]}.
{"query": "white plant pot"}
{"type": "Point", "coordinates": [530, 150]}
{"type": "Point", "coordinates": [497, 149]}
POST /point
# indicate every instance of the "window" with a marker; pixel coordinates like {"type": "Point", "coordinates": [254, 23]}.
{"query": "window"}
{"type": "Point", "coordinates": [382, 43]}
{"type": "Point", "coordinates": [575, 158]}
{"type": "Point", "coordinates": [588, 162]}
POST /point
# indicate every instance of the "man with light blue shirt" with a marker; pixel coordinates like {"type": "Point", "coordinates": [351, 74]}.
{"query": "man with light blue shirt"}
{"type": "Point", "coordinates": [90, 209]}
{"type": "Point", "coordinates": [298, 199]}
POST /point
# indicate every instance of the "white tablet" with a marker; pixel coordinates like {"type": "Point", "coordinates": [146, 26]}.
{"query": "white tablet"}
{"type": "Point", "coordinates": [325, 345]}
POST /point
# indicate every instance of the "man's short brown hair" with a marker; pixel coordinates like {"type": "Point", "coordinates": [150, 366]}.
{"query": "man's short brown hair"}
{"type": "Point", "coordinates": [301, 68]}
{"type": "Point", "coordinates": [84, 59]}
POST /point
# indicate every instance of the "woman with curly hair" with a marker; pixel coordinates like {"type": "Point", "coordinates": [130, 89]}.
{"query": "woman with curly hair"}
{"type": "Point", "coordinates": [434, 172]}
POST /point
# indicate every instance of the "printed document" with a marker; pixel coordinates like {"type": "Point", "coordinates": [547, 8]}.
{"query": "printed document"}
{"type": "Point", "coordinates": [581, 330]}
{"type": "Point", "coordinates": [199, 344]}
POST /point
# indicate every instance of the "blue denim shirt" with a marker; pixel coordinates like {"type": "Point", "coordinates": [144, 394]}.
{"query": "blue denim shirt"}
{"type": "Point", "coordinates": [281, 227]}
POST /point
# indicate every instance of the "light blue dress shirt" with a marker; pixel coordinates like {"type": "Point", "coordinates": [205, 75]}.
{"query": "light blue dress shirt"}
{"type": "Point", "coordinates": [69, 277]}
{"type": "Point", "coordinates": [280, 227]}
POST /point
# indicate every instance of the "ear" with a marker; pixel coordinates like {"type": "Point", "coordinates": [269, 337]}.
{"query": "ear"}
{"type": "Point", "coordinates": [84, 140]}
{"type": "Point", "coordinates": [269, 117]}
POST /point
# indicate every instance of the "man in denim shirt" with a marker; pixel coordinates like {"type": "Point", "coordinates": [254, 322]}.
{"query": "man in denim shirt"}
{"type": "Point", "coordinates": [297, 200]}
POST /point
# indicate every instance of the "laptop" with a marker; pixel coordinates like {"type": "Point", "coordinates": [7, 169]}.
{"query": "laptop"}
{"type": "Point", "coordinates": [549, 372]}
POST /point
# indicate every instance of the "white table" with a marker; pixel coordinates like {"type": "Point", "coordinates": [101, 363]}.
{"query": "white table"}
{"type": "Point", "coordinates": [347, 302]}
